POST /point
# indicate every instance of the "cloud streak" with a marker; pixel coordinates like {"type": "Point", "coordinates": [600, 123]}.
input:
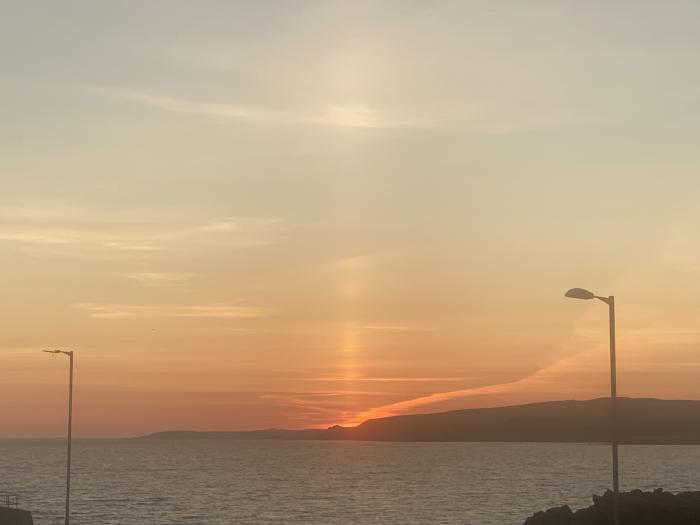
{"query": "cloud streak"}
{"type": "Point", "coordinates": [557, 375]}
{"type": "Point", "coordinates": [130, 311]}
{"type": "Point", "coordinates": [398, 328]}
{"type": "Point", "coordinates": [401, 407]}
{"type": "Point", "coordinates": [485, 116]}
{"type": "Point", "coordinates": [389, 379]}
{"type": "Point", "coordinates": [342, 115]}
{"type": "Point", "coordinates": [103, 236]}
{"type": "Point", "coordinates": [161, 278]}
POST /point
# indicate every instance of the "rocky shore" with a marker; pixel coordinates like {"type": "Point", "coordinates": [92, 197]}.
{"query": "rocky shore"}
{"type": "Point", "coordinates": [636, 508]}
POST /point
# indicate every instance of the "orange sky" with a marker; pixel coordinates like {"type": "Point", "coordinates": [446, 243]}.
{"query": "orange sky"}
{"type": "Point", "coordinates": [301, 216]}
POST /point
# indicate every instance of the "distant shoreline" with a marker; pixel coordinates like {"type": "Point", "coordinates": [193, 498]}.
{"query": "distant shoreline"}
{"type": "Point", "coordinates": [642, 421]}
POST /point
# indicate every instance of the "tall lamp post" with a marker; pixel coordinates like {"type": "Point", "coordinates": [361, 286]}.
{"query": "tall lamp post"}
{"type": "Point", "coordinates": [580, 293]}
{"type": "Point", "coordinates": [70, 427]}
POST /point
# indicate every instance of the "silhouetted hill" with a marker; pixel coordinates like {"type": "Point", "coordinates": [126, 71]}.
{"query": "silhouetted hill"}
{"type": "Point", "coordinates": [650, 421]}
{"type": "Point", "coordinates": [641, 421]}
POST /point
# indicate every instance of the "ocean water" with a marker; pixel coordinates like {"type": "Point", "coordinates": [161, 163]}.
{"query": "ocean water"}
{"type": "Point", "coordinates": [222, 482]}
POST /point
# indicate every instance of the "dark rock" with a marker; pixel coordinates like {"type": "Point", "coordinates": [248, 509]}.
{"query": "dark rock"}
{"type": "Point", "coordinates": [636, 508]}
{"type": "Point", "coordinates": [554, 516]}
{"type": "Point", "coordinates": [10, 516]}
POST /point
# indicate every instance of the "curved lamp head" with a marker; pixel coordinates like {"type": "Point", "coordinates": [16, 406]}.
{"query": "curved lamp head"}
{"type": "Point", "coordinates": [579, 293]}
{"type": "Point", "coordinates": [58, 352]}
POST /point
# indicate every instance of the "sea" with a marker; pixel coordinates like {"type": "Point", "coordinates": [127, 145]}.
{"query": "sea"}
{"type": "Point", "coordinates": [226, 482]}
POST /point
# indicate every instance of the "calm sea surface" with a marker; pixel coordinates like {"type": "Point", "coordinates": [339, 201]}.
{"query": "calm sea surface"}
{"type": "Point", "coordinates": [309, 482]}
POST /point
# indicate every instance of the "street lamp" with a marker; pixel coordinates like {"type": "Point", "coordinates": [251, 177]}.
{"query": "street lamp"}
{"type": "Point", "coordinates": [70, 427]}
{"type": "Point", "coordinates": [580, 293]}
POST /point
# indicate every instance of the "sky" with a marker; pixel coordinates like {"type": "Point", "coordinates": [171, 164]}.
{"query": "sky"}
{"type": "Point", "coordinates": [246, 215]}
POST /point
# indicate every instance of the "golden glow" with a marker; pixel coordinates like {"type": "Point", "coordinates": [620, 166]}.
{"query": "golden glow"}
{"type": "Point", "coordinates": [355, 211]}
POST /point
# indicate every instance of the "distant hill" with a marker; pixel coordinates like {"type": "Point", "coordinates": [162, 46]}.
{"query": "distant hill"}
{"type": "Point", "coordinates": [648, 421]}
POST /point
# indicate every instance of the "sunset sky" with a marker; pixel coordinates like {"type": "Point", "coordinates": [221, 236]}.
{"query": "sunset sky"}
{"type": "Point", "coordinates": [243, 215]}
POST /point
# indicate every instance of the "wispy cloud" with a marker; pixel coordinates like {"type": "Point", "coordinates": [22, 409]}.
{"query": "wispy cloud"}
{"type": "Point", "coordinates": [296, 401]}
{"type": "Point", "coordinates": [75, 237]}
{"type": "Point", "coordinates": [223, 226]}
{"type": "Point", "coordinates": [161, 278]}
{"type": "Point", "coordinates": [130, 311]}
{"type": "Point", "coordinates": [408, 405]}
{"type": "Point", "coordinates": [409, 379]}
{"type": "Point", "coordinates": [485, 116]}
{"type": "Point", "coordinates": [344, 115]}
{"type": "Point", "coordinates": [189, 107]}
{"type": "Point", "coordinates": [40, 235]}
{"type": "Point", "coordinates": [42, 211]}
{"type": "Point", "coordinates": [353, 116]}
{"type": "Point", "coordinates": [557, 375]}
{"type": "Point", "coordinates": [398, 328]}
{"type": "Point", "coordinates": [581, 375]}
{"type": "Point", "coordinates": [105, 234]}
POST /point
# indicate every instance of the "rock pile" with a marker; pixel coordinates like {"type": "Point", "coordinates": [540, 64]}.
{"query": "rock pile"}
{"type": "Point", "coordinates": [636, 508]}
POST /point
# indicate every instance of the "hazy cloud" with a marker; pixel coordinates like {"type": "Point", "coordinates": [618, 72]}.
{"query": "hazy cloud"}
{"type": "Point", "coordinates": [161, 278]}
{"type": "Point", "coordinates": [130, 311]}
{"type": "Point", "coordinates": [388, 379]}
{"type": "Point", "coordinates": [398, 328]}
{"type": "Point", "coordinates": [348, 115]}
{"type": "Point", "coordinates": [103, 233]}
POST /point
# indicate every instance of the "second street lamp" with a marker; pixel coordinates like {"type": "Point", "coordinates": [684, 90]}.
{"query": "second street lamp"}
{"type": "Point", "coordinates": [580, 293]}
{"type": "Point", "coordinates": [70, 427]}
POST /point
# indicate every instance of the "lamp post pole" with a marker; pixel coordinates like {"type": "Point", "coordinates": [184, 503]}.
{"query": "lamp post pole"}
{"type": "Point", "coordinates": [580, 293]}
{"type": "Point", "coordinates": [613, 402]}
{"type": "Point", "coordinates": [70, 427]}
{"type": "Point", "coordinates": [70, 437]}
